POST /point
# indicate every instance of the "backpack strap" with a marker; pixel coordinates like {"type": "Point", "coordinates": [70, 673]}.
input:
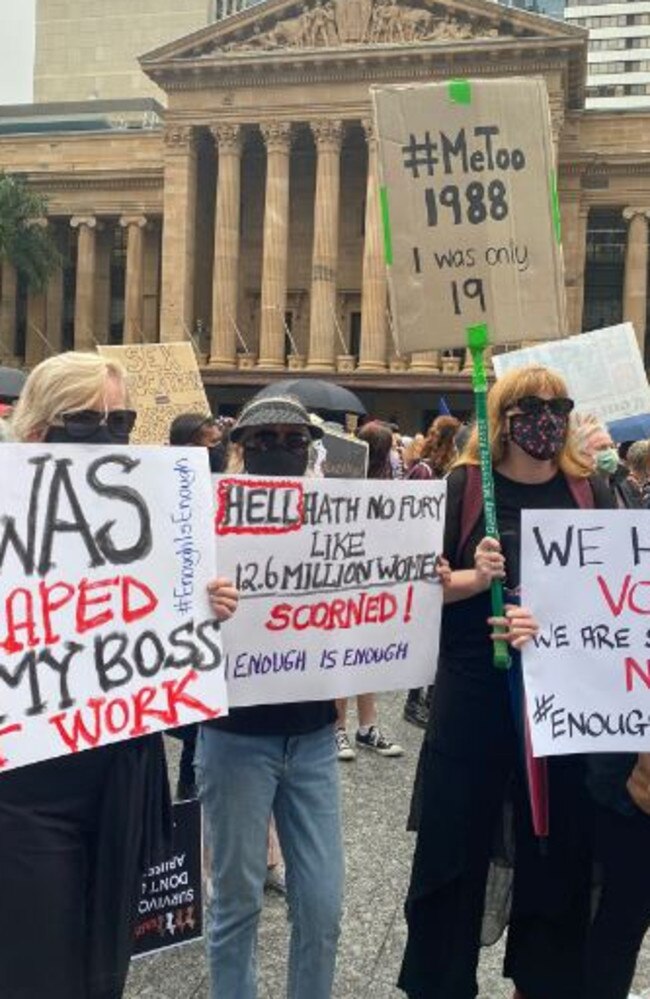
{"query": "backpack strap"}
{"type": "Point", "coordinates": [471, 507]}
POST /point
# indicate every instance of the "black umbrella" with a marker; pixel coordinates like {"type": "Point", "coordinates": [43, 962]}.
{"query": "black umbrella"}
{"type": "Point", "coordinates": [11, 383]}
{"type": "Point", "coordinates": [317, 394]}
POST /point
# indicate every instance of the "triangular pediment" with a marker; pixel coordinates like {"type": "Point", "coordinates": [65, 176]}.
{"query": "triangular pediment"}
{"type": "Point", "coordinates": [276, 25]}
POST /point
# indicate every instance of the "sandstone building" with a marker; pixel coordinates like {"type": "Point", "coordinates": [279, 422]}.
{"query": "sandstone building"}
{"type": "Point", "coordinates": [244, 213]}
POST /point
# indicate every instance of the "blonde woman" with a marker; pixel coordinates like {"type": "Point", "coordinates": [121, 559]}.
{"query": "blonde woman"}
{"type": "Point", "coordinates": [76, 832]}
{"type": "Point", "coordinates": [471, 764]}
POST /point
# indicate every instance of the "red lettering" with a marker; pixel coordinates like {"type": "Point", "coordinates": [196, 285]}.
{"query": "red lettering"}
{"type": "Point", "coordinates": [16, 623]}
{"type": "Point", "coordinates": [78, 731]}
{"type": "Point", "coordinates": [615, 606]}
{"type": "Point", "coordinates": [141, 700]}
{"type": "Point", "coordinates": [8, 730]}
{"type": "Point", "coordinates": [280, 617]}
{"type": "Point", "coordinates": [131, 588]}
{"type": "Point", "coordinates": [84, 601]}
{"type": "Point", "coordinates": [91, 726]}
{"type": "Point", "coordinates": [50, 604]}
{"type": "Point", "coordinates": [330, 615]}
{"type": "Point", "coordinates": [627, 594]}
{"type": "Point", "coordinates": [632, 668]}
{"type": "Point", "coordinates": [633, 604]}
{"type": "Point", "coordinates": [120, 706]}
{"type": "Point", "coordinates": [176, 695]}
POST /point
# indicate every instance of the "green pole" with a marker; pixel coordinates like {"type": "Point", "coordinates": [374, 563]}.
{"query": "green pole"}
{"type": "Point", "coordinates": [477, 341]}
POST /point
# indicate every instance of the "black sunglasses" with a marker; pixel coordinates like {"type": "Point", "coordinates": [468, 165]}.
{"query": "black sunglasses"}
{"type": "Point", "coordinates": [532, 404]}
{"type": "Point", "coordinates": [268, 440]}
{"type": "Point", "coordinates": [82, 423]}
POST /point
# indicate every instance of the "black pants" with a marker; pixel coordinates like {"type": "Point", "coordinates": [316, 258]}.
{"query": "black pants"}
{"type": "Point", "coordinates": [623, 914]}
{"type": "Point", "coordinates": [73, 837]}
{"type": "Point", "coordinates": [186, 767]}
{"type": "Point", "coordinates": [468, 763]}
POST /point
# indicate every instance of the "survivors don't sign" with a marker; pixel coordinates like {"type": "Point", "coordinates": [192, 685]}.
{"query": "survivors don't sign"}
{"type": "Point", "coordinates": [105, 628]}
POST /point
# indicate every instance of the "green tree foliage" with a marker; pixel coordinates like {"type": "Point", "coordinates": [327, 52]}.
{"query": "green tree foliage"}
{"type": "Point", "coordinates": [26, 244]}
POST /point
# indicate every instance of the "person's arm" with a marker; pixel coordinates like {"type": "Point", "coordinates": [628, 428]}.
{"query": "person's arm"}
{"type": "Point", "coordinates": [516, 627]}
{"type": "Point", "coordinates": [224, 598]}
{"type": "Point", "coordinates": [489, 564]}
{"type": "Point", "coordinates": [638, 784]}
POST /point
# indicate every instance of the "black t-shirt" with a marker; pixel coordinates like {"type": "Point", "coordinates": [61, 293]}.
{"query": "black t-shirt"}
{"type": "Point", "coordinates": [278, 719]}
{"type": "Point", "coordinates": [464, 629]}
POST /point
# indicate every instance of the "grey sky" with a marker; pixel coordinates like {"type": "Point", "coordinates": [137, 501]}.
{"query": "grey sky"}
{"type": "Point", "coordinates": [16, 50]}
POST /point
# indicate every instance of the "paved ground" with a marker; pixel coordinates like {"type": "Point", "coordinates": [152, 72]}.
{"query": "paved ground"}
{"type": "Point", "coordinates": [378, 853]}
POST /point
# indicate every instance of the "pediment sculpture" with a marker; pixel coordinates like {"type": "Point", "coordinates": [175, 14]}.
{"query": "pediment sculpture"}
{"type": "Point", "coordinates": [332, 23]}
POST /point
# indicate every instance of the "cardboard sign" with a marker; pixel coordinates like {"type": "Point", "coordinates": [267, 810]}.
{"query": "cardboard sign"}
{"type": "Point", "coordinates": [603, 370]}
{"type": "Point", "coordinates": [586, 577]}
{"type": "Point", "coordinates": [105, 627]}
{"type": "Point", "coordinates": [164, 381]}
{"type": "Point", "coordinates": [170, 908]}
{"type": "Point", "coordinates": [345, 458]}
{"type": "Point", "coordinates": [338, 584]}
{"type": "Point", "coordinates": [471, 219]}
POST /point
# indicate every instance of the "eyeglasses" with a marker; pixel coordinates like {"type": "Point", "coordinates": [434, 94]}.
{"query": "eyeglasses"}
{"type": "Point", "coordinates": [533, 405]}
{"type": "Point", "coordinates": [83, 423]}
{"type": "Point", "coordinates": [268, 440]}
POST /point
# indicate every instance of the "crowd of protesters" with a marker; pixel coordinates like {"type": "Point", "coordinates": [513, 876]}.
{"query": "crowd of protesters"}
{"type": "Point", "coordinates": [76, 833]}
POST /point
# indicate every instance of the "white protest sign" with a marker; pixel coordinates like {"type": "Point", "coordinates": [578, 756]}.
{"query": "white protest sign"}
{"type": "Point", "coordinates": [470, 211]}
{"type": "Point", "coordinates": [105, 627]}
{"type": "Point", "coordinates": [339, 593]}
{"type": "Point", "coordinates": [586, 577]}
{"type": "Point", "coordinates": [603, 370]}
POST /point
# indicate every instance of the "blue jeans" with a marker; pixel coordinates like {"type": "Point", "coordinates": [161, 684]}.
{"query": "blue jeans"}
{"type": "Point", "coordinates": [242, 780]}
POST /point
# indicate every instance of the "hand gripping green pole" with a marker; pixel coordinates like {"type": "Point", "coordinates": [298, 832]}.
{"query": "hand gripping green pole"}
{"type": "Point", "coordinates": [477, 341]}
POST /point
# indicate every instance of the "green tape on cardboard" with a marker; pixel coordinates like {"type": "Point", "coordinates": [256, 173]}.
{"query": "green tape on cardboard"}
{"type": "Point", "coordinates": [555, 207]}
{"type": "Point", "coordinates": [385, 221]}
{"type": "Point", "coordinates": [460, 91]}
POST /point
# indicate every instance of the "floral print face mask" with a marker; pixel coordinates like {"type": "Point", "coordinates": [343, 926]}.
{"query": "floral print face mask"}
{"type": "Point", "coordinates": [540, 435]}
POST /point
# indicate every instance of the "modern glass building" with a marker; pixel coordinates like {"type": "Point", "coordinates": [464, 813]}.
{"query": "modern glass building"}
{"type": "Point", "coordinates": [618, 73]}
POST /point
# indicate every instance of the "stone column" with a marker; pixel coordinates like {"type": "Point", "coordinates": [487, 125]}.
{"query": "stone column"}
{"type": "Point", "coordinates": [322, 321]}
{"type": "Point", "coordinates": [635, 286]}
{"type": "Point", "coordinates": [225, 284]}
{"type": "Point", "coordinates": [54, 309]}
{"type": "Point", "coordinates": [581, 265]}
{"type": "Point", "coordinates": [374, 285]}
{"type": "Point", "coordinates": [36, 345]}
{"type": "Point", "coordinates": [152, 281]}
{"type": "Point", "coordinates": [8, 295]}
{"type": "Point", "coordinates": [84, 306]}
{"type": "Point", "coordinates": [574, 244]}
{"type": "Point", "coordinates": [277, 136]}
{"type": "Point", "coordinates": [134, 284]}
{"type": "Point", "coordinates": [177, 301]}
{"type": "Point", "coordinates": [103, 259]}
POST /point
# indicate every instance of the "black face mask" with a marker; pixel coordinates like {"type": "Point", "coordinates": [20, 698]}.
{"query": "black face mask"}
{"type": "Point", "coordinates": [277, 460]}
{"type": "Point", "coordinates": [102, 435]}
{"type": "Point", "coordinates": [217, 458]}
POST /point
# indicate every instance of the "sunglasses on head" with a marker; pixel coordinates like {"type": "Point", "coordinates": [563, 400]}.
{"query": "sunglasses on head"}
{"type": "Point", "coordinates": [267, 440]}
{"type": "Point", "coordinates": [83, 423]}
{"type": "Point", "coordinates": [532, 404]}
